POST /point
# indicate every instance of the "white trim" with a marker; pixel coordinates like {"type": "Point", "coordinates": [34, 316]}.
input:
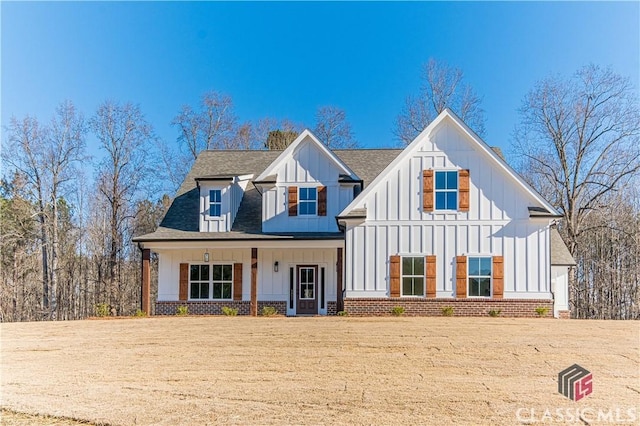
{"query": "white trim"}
{"type": "Point", "coordinates": [243, 244]}
{"type": "Point", "coordinates": [409, 150]}
{"type": "Point", "coordinates": [290, 150]}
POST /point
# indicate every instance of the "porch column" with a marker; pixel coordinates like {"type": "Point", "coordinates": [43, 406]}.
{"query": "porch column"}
{"type": "Point", "coordinates": [340, 300]}
{"type": "Point", "coordinates": [146, 282]}
{"type": "Point", "coordinates": [254, 282]}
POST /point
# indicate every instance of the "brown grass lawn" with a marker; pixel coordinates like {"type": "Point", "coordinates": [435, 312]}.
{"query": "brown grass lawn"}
{"type": "Point", "coordinates": [339, 370]}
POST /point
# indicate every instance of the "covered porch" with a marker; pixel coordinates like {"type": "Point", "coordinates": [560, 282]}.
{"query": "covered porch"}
{"type": "Point", "coordinates": [295, 276]}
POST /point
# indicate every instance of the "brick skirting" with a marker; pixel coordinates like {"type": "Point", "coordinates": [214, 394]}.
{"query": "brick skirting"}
{"type": "Point", "coordinates": [461, 307]}
{"type": "Point", "coordinates": [215, 308]}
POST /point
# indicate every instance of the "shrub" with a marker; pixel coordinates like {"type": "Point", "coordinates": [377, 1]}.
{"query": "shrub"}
{"type": "Point", "coordinates": [495, 312]}
{"type": "Point", "coordinates": [182, 310]}
{"type": "Point", "coordinates": [447, 311]}
{"type": "Point", "coordinates": [542, 311]}
{"type": "Point", "coordinates": [343, 313]}
{"type": "Point", "coordinates": [140, 313]}
{"type": "Point", "coordinates": [267, 311]}
{"type": "Point", "coordinates": [230, 312]}
{"type": "Point", "coordinates": [397, 311]}
{"type": "Point", "coordinates": [102, 310]}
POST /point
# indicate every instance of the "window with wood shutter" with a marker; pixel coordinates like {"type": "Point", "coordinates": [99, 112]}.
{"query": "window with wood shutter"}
{"type": "Point", "coordinates": [427, 190]}
{"type": "Point", "coordinates": [463, 190]}
{"type": "Point", "coordinates": [394, 276]}
{"type": "Point", "coordinates": [293, 201]}
{"type": "Point", "coordinates": [479, 275]}
{"type": "Point", "coordinates": [498, 277]}
{"type": "Point", "coordinates": [237, 281]}
{"type": "Point", "coordinates": [413, 276]}
{"type": "Point", "coordinates": [461, 277]}
{"type": "Point", "coordinates": [184, 282]}
{"type": "Point", "coordinates": [322, 201]}
{"type": "Point", "coordinates": [430, 276]}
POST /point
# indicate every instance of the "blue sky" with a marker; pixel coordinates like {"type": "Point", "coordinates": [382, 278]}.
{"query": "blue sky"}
{"type": "Point", "coordinates": [287, 59]}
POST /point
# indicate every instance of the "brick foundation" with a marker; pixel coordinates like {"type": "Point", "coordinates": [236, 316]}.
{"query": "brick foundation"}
{"type": "Point", "coordinates": [215, 308]}
{"type": "Point", "coordinates": [332, 308]}
{"type": "Point", "coordinates": [564, 314]}
{"type": "Point", "coordinates": [461, 307]}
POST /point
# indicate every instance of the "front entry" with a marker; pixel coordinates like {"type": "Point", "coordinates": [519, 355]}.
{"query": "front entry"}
{"type": "Point", "coordinates": [307, 290]}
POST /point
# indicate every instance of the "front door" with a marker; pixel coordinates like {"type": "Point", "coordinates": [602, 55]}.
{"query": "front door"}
{"type": "Point", "coordinates": [307, 290]}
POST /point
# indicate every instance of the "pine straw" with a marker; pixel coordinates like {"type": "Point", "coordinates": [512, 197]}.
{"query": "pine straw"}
{"type": "Point", "coordinates": [339, 370]}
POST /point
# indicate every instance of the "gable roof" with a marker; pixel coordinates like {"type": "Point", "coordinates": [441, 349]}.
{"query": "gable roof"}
{"type": "Point", "coordinates": [291, 149]}
{"type": "Point", "coordinates": [181, 221]}
{"type": "Point", "coordinates": [408, 151]}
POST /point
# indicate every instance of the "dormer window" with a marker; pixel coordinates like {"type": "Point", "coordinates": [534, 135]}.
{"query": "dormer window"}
{"type": "Point", "coordinates": [215, 202]}
{"type": "Point", "coordinates": [308, 202]}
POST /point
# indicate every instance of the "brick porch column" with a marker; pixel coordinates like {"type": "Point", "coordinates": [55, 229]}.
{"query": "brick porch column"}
{"type": "Point", "coordinates": [146, 282]}
{"type": "Point", "coordinates": [254, 283]}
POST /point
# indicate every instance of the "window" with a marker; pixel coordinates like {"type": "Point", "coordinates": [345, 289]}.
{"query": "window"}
{"type": "Point", "coordinates": [479, 276]}
{"type": "Point", "coordinates": [215, 202]}
{"type": "Point", "coordinates": [413, 276]}
{"type": "Point", "coordinates": [446, 190]}
{"type": "Point", "coordinates": [199, 281]}
{"type": "Point", "coordinates": [308, 202]}
{"type": "Point", "coordinates": [222, 281]}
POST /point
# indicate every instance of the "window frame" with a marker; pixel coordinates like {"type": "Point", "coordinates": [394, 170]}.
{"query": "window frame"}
{"type": "Point", "coordinates": [222, 281]}
{"type": "Point", "coordinates": [446, 190]}
{"type": "Point", "coordinates": [413, 276]}
{"type": "Point", "coordinates": [210, 282]}
{"type": "Point", "coordinates": [480, 276]}
{"type": "Point", "coordinates": [200, 281]}
{"type": "Point", "coordinates": [214, 203]}
{"type": "Point", "coordinates": [302, 201]}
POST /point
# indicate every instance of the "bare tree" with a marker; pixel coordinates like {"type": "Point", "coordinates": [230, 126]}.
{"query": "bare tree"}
{"type": "Point", "coordinates": [25, 152]}
{"type": "Point", "coordinates": [277, 134]}
{"type": "Point", "coordinates": [212, 126]}
{"type": "Point", "coordinates": [443, 87]}
{"type": "Point", "coordinates": [333, 129]}
{"type": "Point", "coordinates": [64, 150]}
{"type": "Point", "coordinates": [124, 135]}
{"type": "Point", "coordinates": [579, 138]}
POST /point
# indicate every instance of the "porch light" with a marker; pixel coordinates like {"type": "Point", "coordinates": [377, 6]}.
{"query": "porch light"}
{"type": "Point", "coordinates": [275, 266]}
{"type": "Point", "coordinates": [206, 256]}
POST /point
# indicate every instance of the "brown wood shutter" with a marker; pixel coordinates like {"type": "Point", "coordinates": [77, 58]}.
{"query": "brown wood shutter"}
{"type": "Point", "coordinates": [463, 190]}
{"type": "Point", "coordinates": [427, 190]}
{"type": "Point", "coordinates": [184, 281]}
{"type": "Point", "coordinates": [237, 281]}
{"type": "Point", "coordinates": [322, 201]}
{"type": "Point", "coordinates": [394, 276]}
{"type": "Point", "coordinates": [293, 201]}
{"type": "Point", "coordinates": [461, 277]}
{"type": "Point", "coordinates": [430, 276]}
{"type": "Point", "coordinates": [498, 277]}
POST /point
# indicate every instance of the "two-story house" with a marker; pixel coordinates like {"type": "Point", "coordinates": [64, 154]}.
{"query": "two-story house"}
{"type": "Point", "coordinates": [311, 231]}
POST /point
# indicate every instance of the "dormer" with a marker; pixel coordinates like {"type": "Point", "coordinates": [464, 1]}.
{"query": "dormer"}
{"type": "Point", "coordinates": [220, 197]}
{"type": "Point", "coordinates": [305, 188]}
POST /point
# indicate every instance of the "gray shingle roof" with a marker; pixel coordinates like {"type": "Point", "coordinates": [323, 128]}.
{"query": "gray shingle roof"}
{"type": "Point", "coordinates": [181, 220]}
{"type": "Point", "coordinates": [559, 252]}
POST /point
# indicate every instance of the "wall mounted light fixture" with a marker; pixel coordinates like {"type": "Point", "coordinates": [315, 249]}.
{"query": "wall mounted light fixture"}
{"type": "Point", "coordinates": [275, 266]}
{"type": "Point", "coordinates": [206, 256]}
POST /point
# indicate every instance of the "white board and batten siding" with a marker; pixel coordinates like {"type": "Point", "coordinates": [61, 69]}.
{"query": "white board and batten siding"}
{"type": "Point", "coordinates": [231, 193]}
{"type": "Point", "coordinates": [272, 285]}
{"type": "Point", "coordinates": [497, 223]}
{"type": "Point", "coordinates": [307, 166]}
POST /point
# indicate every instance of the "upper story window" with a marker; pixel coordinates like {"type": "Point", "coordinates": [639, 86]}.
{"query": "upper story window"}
{"type": "Point", "coordinates": [413, 276]}
{"type": "Point", "coordinates": [446, 190]}
{"type": "Point", "coordinates": [215, 202]}
{"type": "Point", "coordinates": [308, 202]}
{"type": "Point", "coordinates": [480, 276]}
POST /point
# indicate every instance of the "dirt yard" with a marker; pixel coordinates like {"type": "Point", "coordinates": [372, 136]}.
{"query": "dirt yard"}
{"type": "Point", "coordinates": [339, 370]}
